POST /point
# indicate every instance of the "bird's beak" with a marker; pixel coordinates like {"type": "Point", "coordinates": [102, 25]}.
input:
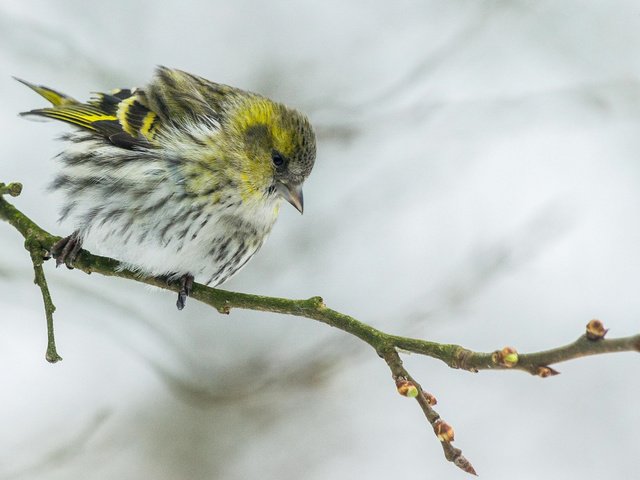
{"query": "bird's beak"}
{"type": "Point", "coordinates": [292, 194]}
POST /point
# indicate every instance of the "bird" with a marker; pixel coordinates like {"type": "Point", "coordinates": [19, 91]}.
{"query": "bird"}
{"type": "Point", "coordinates": [181, 179]}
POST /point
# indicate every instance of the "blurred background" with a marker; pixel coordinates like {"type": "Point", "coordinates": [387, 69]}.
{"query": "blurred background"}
{"type": "Point", "coordinates": [476, 183]}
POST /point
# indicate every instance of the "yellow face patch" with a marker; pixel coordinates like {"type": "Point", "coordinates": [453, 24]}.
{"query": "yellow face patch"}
{"type": "Point", "coordinates": [253, 182]}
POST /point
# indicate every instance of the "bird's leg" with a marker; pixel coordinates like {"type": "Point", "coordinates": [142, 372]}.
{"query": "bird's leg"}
{"type": "Point", "coordinates": [67, 249]}
{"type": "Point", "coordinates": [186, 286]}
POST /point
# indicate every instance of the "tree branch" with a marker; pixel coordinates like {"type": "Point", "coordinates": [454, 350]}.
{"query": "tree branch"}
{"type": "Point", "coordinates": [37, 258]}
{"type": "Point", "coordinates": [387, 346]}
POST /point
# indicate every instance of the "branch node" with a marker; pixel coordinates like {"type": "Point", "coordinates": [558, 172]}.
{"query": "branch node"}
{"type": "Point", "coordinates": [14, 189]}
{"type": "Point", "coordinates": [545, 371]}
{"type": "Point", "coordinates": [596, 330]}
{"type": "Point", "coordinates": [429, 398]}
{"type": "Point", "coordinates": [507, 357]}
{"type": "Point", "coordinates": [317, 303]}
{"type": "Point", "coordinates": [443, 431]}
{"type": "Point", "coordinates": [406, 388]}
{"type": "Point", "coordinates": [225, 308]}
{"type": "Point", "coordinates": [36, 250]}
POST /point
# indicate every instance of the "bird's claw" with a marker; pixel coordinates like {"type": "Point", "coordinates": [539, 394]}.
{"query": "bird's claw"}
{"type": "Point", "coordinates": [186, 287]}
{"type": "Point", "coordinates": [66, 250]}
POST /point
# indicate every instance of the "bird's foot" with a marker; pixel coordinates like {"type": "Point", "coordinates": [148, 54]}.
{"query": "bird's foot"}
{"type": "Point", "coordinates": [66, 250]}
{"type": "Point", "coordinates": [186, 287]}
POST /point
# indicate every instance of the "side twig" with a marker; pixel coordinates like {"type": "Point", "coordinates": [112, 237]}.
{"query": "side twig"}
{"type": "Point", "coordinates": [386, 345]}
{"type": "Point", "coordinates": [37, 258]}
{"type": "Point", "coordinates": [40, 280]}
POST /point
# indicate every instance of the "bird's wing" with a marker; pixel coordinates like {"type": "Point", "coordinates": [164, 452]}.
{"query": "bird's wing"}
{"type": "Point", "coordinates": [180, 98]}
{"type": "Point", "coordinates": [122, 116]}
{"type": "Point", "coordinates": [130, 118]}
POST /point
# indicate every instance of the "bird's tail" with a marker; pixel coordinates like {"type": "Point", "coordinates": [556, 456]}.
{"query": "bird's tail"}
{"type": "Point", "coordinates": [56, 98]}
{"type": "Point", "coordinates": [68, 109]}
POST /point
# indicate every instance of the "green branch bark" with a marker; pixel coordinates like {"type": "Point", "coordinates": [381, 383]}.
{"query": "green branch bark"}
{"type": "Point", "coordinates": [387, 346]}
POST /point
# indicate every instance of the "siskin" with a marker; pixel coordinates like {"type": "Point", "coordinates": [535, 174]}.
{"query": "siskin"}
{"type": "Point", "coordinates": [182, 178]}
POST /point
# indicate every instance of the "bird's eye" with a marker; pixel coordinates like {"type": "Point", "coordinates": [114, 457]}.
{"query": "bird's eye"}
{"type": "Point", "coordinates": [278, 159]}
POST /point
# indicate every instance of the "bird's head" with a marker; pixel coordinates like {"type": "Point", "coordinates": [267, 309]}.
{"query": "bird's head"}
{"type": "Point", "coordinates": [274, 148]}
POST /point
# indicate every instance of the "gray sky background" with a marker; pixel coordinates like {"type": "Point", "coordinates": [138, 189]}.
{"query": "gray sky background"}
{"type": "Point", "coordinates": [476, 183]}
